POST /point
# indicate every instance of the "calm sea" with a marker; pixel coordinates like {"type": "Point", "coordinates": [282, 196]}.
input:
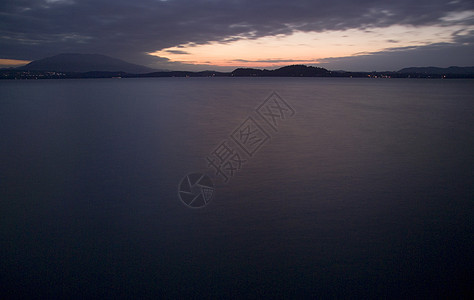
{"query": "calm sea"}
{"type": "Point", "coordinates": [366, 191]}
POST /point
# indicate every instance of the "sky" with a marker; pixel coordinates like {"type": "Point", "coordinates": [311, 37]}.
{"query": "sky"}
{"type": "Point", "coordinates": [222, 35]}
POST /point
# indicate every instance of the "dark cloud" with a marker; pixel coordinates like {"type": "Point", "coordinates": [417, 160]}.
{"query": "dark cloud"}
{"type": "Point", "coordinates": [177, 51]}
{"type": "Point", "coordinates": [32, 29]}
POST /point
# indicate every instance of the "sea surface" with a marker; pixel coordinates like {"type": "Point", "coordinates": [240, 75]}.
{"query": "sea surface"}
{"type": "Point", "coordinates": [363, 189]}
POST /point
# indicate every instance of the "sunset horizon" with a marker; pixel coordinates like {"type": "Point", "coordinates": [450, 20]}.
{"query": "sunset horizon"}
{"type": "Point", "coordinates": [222, 35]}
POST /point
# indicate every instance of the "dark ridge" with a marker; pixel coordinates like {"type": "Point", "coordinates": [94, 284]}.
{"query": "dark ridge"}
{"type": "Point", "coordinates": [288, 71]}
{"type": "Point", "coordinates": [73, 62]}
{"type": "Point", "coordinates": [101, 66]}
{"type": "Point", "coordinates": [439, 71]}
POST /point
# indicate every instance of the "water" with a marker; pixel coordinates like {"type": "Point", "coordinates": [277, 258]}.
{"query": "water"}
{"type": "Point", "coordinates": [365, 192]}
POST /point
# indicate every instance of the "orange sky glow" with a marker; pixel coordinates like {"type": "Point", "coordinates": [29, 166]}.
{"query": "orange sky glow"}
{"type": "Point", "coordinates": [6, 63]}
{"type": "Point", "coordinates": [307, 47]}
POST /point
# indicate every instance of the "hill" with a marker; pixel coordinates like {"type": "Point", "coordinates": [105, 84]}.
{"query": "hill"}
{"type": "Point", "coordinates": [288, 71]}
{"type": "Point", "coordinates": [74, 62]}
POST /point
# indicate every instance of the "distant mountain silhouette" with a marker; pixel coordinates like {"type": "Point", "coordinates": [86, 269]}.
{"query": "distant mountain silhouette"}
{"type": "Point", "coordinates": [73, 62]}
{"type": "Point", "coordinates": [288, 71]}
{"type": "Point", "coordinates": [185, 74]}
{"type": "Point", "coordinates": [439, 71]}
{"type": "Point", "coordinates": [101, 66]}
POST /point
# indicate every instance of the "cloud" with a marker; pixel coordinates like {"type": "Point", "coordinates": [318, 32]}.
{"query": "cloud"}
{"type": "Point", "coordinates": [177, 51]}
{"type": "Point", "coordinates": [32, 29]}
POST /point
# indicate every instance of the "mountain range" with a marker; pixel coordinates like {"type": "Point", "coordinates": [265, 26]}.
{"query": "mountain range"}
{"type": "Point", "coordinates": [439, 71]}
{"type": "Point", "coordinates": [74, 62]}
{"type": "Point", "coordinates": [73, 65]}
